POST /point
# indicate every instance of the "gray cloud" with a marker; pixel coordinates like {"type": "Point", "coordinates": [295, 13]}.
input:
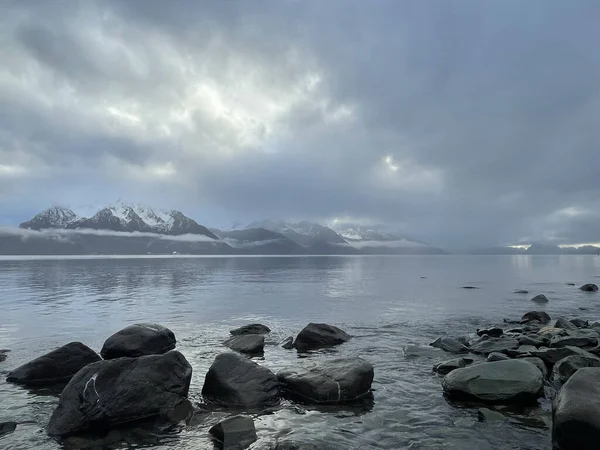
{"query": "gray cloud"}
{"type": "Point", "coordinates": [64, 234]}
{"type": "Point", "coordinates": [461, 123]}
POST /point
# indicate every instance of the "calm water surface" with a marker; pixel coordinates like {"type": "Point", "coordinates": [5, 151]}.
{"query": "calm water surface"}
{"type": "Point", "coordinates": [387, 303]}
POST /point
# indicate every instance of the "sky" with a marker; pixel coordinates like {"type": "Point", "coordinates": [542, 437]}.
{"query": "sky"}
{"type": "Point", "coordinates": [468, 123]}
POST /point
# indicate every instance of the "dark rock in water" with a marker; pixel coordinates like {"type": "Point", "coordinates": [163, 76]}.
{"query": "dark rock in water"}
{"type": "Point", "coordinates": [449, 345]}
{"type": "Point", "coordinates": [580, 323]}
{"type": "Point", "coordinates": [566, 367]}
{"type": "Point", "coordinates": [253, 328]}
{"type": "Point", "coordinates": [288, 343]}
{"type": "Point", "coordinates": [537, 316]}
{"type": "Point", "coordinates": [138, 340]}
{"type": "Point", "coordinates": [506, 382]}
{"type": "Point", "coordinates": [93, 442]}
{"type": "Point", "coordinates": [121, 390]}
{"type": "Point", "coordinates": [234, 380]}
{"type": "Point", "coordinates": [470, 287]}
{"type": "Point", "coordinates": [7, 427]}
{"type": "Point", "coordinates": [537, 362]}
{"type": "Point", "coordinates": [565, 324]}
{"type": "Point", "coordinates": [576, 412]}
{"type": "Point", "coordinates": [3, 354]}
{"type": "Point", "coordinates": [332, 381]}
{"type": "Point", "coordinates": [501, 344]}
{"type": "Point", "coordinates": [536, 341]}
{"type": "Point", "coordinates": [511, 322]}
{"type": "Point", "coordinates": [491, 332]}
{"type": "Point", "coordinates": [487, 415]}
{"type": "Point", "coordinates": [570, 284]}
{"type": "Point", "coordinates": [448, 366]}
{"type": "Point", "coordinates": [575, 341]}
{"type": "Point", "coordinates": [234, 433]}
{"type": "Point", "coordinates": [589, 287]}
{"type": "Point", "coordinates": [521, 291]}
{"type": "Point", "coordinates": [55, 367]}
{"type": "Point", "coordinates": [411, 350]}
{"type": "Point", "coordinates": [320, 335]}
{"type": "Point", "coordinates": [253, 344]}
{"type": "Point", "coordinates": [496, 356]}
{"type": "Point", "coordinates": [552, 355]}
{"type": "Point", "coordinates": [540, 298]}
{"type": "Point", "coordinates": [293, 445]}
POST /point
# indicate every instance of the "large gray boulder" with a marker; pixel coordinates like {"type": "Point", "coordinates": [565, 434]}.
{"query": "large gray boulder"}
{"type": "Point", "coordinates": [540, 298]}
{"type": "Point", "coordinates": [565, 324]}
{"type": "Point", "coordinates": [537, 362]}
{"type": "Point", "coordinates": [450, 345]}
{"type": "Point", "coordinates": [552, 355]}
{"type": "Point", "coordinates": [490, 345]}
{"type": "Point", "coordinates": [234, 433]}
{"type": "Point", "coordinates": [506, 382]}
{"type": "Point", "coordinates": [107, 393]}
{"type": "Point", "coordinates": [589, 287]}
{"type": "Point", "coordinates": [234, 380]}
{"type": "Point", "coordinates": [446, 367]}
{"type": "Point", "coordinates": [138, 340]}
{"type": "Point", "coordinates": [575, 340]}
{"type": "Point", "coordinates": [536, 316]}
{"type": "Point", "coordinates": [566, 367]}
{"type": "Point", "coordinates": [333, 381]}
{"type": "Point", "coordinates": [251, 344]}
{"type": "Point", "coordinates": [576, 412]}
{"type": "Point", "coordinates": [320, 335]}
{"type": "Point", "coordinates": [253, 328]}
{"type": "Point", "coordinates": [55, 367]}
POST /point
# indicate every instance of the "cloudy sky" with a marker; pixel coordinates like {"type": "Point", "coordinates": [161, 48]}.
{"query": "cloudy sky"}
{"type": "Point", "coordinates": [463, 123]}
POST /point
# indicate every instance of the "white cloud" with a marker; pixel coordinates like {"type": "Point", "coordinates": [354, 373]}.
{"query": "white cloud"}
{"type": "Point", "coordinates": [61, 234]}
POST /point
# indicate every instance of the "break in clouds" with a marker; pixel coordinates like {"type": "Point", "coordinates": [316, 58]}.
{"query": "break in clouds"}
{"type": "Point", "coordinates": [461, 123]}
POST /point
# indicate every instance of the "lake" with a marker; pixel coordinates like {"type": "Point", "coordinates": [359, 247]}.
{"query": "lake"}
{"type": "Point", "coordinates": [386, 303]}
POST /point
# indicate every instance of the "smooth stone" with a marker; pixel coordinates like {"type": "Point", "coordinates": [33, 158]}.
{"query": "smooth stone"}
{"type": "Point", "coordinates": [496, 356]}
{"type": "Point", "coordinates": [288, 343]}
{"type": "Point", "coordinates": [320, 335]}
{"type": "Point", "coordinates": [487, 415]}
{"type": "Point", "coordinates": [521, 291]}
{"type": "Point", "coordinates": [537, 362]}
{"type": "Point", "coordinates": [139, 339]}
{"type": "Point", "coordinates": [448, 366]}
{"type": "Point", "coordinates": [501, 344]}
{"type": "Point", "coordinates": [566, 367]}
{"type": "Point", "coordinates": [552, 355]}
{"type": "Point", "coordinates": [522, 350]}
{"type": "Point", "coordinates": [589, 287]}
{"type": "Point", "coordinates": [94, 443]}
{"type": "Point", "coordinates": [540, 298]}
{"type": "Point", "coordinates": [55, 367]}
{"type": "Point", "coordinates": [411, 350]}
{"type": "Point", "coordinates": [548, 333]}
{"type": "Point", "coordinates": [539, 316]}
{"type": "Point", "coordinates": [253, 344]}
{"type": "Point", "coordinates": [234, 433]}
{"type": "Point", "coordinates": [512, 381]}
{"type": "Point", "coordinates": [449, 345]}
{"type": "Point", "coordinates": [234, 380]}
{"type": "Point", "coordinates": [331, 381]}
{"type": "Point", "coordinates": [121, 390]}
{"type": "Point", "coordinates": [580, 323]}
{"type": "Point", "coordinates": [491, 332]}
{"type": "Point", "coordinates": [575, 341]}
{"type": "Point", "coordinates": [253, 328]}
{"type": "Point", "coordinates": [7, 427]}
{"type": "Point", "coordinates": [576, 412]}
{"type": "Point", "coordinates": [565, 324]}
{"type": "Point", "coordinates": [530, 340]}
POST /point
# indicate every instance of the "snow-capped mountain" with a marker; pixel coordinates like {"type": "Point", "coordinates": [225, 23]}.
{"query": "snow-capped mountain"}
{"type": "Point", "coordinates": [260, 241]}
{"type": "Point", "coordinates": [54, 217]}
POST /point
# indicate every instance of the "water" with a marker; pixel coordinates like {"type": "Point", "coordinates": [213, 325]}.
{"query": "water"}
{"type": "Point", "coordinates": [383, 301]}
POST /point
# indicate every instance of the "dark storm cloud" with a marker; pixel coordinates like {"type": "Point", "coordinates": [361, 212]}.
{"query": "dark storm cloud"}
{"type": "Point", "coordinates": [464, 123]}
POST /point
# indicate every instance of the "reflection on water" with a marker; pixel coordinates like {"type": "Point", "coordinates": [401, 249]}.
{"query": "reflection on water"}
{"type": "Point", "coordinates": [385, 302]}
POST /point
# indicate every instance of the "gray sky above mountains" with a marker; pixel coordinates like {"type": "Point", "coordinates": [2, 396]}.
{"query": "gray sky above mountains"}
{"type": "Point", "coordinates": [463, 123]}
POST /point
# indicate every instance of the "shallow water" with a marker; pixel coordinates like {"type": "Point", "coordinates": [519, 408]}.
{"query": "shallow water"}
{"type": "Point", "coordinates": [387, 303]}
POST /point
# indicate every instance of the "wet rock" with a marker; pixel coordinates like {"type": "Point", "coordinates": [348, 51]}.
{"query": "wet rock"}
{"type": "Point", "coordinates": [470, 287]}
{"type": "Point", "coordinates": [7, 427]}
{"type": "Point", "coordinates": [496, 356]}
{"type": "Point", "coordinates": [121, 390]}
{"type": "Point", "coordinates": [565, 324]}
{"type": "Point", "coordinates": [501, 345]}
{"type": "Point", "coordinates": [55, 367]}
{"type": "Point", "coordinates": [294, 445]}
{"type": "Point", "coordinates": [521, 291]}
{"type": "Point", "coordinates": [575, 341]}
{"type": "Point", "coordinates": [491, 332]}
{"type": "Point", "coordinates": [253, 328]}
{"type": "Point", "coordinates": [537, 316]}
{"type": "Point", "coordinates": [576, 412]}
{"type": "Point", "coordinates": [570, 284]}
{"type": "Point", "coordinates": [234, 433]}
{"type": "Point", "coordinates": [320, 335]}
{"type": "Point", "coordinates": [3, 354]}
{"type": "Point", "coordinates": [537, 362]}
{"type": "Point", "coordinates": [138, 340]}
{"type": "Point", "coordinates": [234, 380]}
{"type": "Point", "coordinates": [512, 381]}
{"type": "Point", "coordinates": [93, 442]}
{"type": "Point", "coordinates": [288, 343]}
{"type": "Point", "coordinates": [332, 381]}
{"type": "Point", "coordinates": [487, 415]}
{"type": "Point", "coordinates": [589, 287]}
{"type": "Point", "coordinates": [448, 366]}
{"type": "Point", "coordinates": [521, 351]}
{"type": "Point", "coordinates": [411, 350]}
{"type": "Point", "coordinates": [449, 345]}
{"type": "Point", "coordinates": [540, 298]}
{"type": "Point", "coordinates": [552, 355]}
{"type": "Point", "coordinates": [181, 412]}
{"type": "Point", "coordinates": [566, 367]}
{"type": "Point", "coordinates": [536, 341]}
{"type": "Point", "coordinates": [253, 344]}
{"type": "Point", "coordinates": [580, 323]}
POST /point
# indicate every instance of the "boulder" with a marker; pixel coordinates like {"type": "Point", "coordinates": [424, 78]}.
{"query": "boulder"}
{"type": "Point", "coordinates": [7, 427]}
{"type": "Point", "coordinates": [449, 345]}
{"type": "Point", "coordinates": [521, 291]}
{"type": "Point", "coordinates": [501, 345]}
{"type": "Point", "coordinates": [234, 433]}
{"type": "Point", "coordinates": [253, 344]}
{"type": "Point", "coordinates": [448, 366]}
{"type": "Point", "coordinates": [288, 343]}
{"type": "Point", "coordinates": [138, 340]}
{"type": "Point", "coordinates": [576, 412]}
{"type": "Point", "coordinates": [575, 341]}
{"type": "Point", "coordinates": [547, 333]}
{"type": "Point", "coordinates": [552, 355]}
{"type": "Point", "coordinates": [3, 354]}
{"type": "Point", "coordinates": [540, 298]}
{"type": "Point", "coordinates": [534, 340]}
{"type": "Point", "coordinates": [589, 287]}
{"type": "Point", "coordinates": [566, 367]}
{"type": "Point", "coordinates": [535, 316]}
{"type": "Point", "coordinates": [506, 382]}
{"type": "Point", "coordinates": [55, 367]}
{"type": "Point", "coordinates": [320, 335]}
{"type": "Point", "coordinates": [253, 328]}
{"type": "Point", "coordinates": [521, 351]}
{"type": "Point", "coordinates": [111, 392]}
{"type": "Point", "coordinates": [537, 362]}
{"type": "Point", "coordinates": [294, 445]}
{"type": "Point", "coordinates": [496, 356]}
{"type": "Point", "coordinates": [332, 381]}
{"type": "Point", "coordinates": [234, 380]}
{"type": "Point", "coordinates": [565, 324]}
{"type": "Point", "coordinates": [491, 332]}
{"type": "Point", "coordinates": [580, 323]}
{"type": "Point", "coordinates": [487, 415]}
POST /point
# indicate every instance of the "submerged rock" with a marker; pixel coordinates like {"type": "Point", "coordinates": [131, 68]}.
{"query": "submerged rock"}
{"type": "Point", "coordinates": [320, 335]}
{"type": "Point", "coordinates": [253, 344]}
{"type": "Point", "coordinates": [589, 287]}
{"type": "Point", "coordinates": [470, 287]}
{"type": "Point", "coordinates": [138, 340]}
{"type": "Point", "coordinates": [496, 356]}
{"type": "Point", "coordinates": [234, 380]}
{"type": "Point", "coordinates": [234, 433]}
{"type": "Point", "coordinates": [7, 427]}
{"type": "Point", "coordinates": [501, 345]}
{"type": "Point", "coordinates": [295, 445]}
{"type": "Point", "coordinates": [576, 412]}
{"type": "Point", "coordinates": [521, 291]}
{"type": "Point", "coordinates": [512, 381]}
{"type": "Point", "coordinates": [450, 345]}
{"type": "Point", "coordinates": [448, 366]}
{"type": "Point", "coordinates": [121, 390]}
{"type": "Point", "coordinates": [536, 316]}
{"type": "Point", "coordinates": [333, 381]}
{"type": "Point", "coordinates": [487, 415]}
{"type": "Point", "coordinates": [566, 367]}
{"type": "Point", "coordinates": [491, 332]}
{"type": "Point", "coordinates": [253, 328]}
{"type": "Point", "coordinates": [3, 354]}
{"type": "Point", "coordinates": [288, 343]}
{"type": "Point", "coordinates": [55, 367]}
{"type": "Point", "coordinates": [540, 298]}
